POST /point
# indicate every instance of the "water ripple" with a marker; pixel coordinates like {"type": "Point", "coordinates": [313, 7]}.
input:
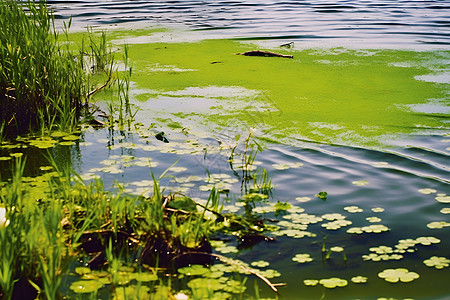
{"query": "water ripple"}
{"type": "Point", "coordinates": [401, 24]}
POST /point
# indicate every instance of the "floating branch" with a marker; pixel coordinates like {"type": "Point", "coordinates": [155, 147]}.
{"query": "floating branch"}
{"type": "Point", "coordinates": [264, 54]}
{"type": "Point", "coordinates": [229, 261]}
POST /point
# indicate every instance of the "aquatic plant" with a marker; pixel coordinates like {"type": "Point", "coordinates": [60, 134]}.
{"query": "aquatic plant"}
{"type": "Point", "coordinates": [399, 274]}
{"type": "Point", "coordinates": [41, 83]}
{"type": "Point", "coordinates": [44, 82]}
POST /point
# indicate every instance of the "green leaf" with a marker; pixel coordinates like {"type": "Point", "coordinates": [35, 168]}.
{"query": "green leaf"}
{"type": "Point", "coordinates": [322, 195]}
{"type": "Point", "coordinates": [86, 286]}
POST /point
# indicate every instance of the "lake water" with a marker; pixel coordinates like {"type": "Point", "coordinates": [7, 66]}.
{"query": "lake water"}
{"type": "Point", "coordinates": [368, 24]}
{"type": "Point", "coordinates": [402, 186]}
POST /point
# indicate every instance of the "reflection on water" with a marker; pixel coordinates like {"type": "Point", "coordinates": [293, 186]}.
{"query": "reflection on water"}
{"type": "Point", "coordinates": [372, 23]}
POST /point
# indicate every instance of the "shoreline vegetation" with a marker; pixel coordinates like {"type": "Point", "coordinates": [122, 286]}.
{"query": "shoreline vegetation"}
{"type": "Point", "coordinates": [130, 244]}
{"type": "Point", "coordinates": [45, 79]}
{"type": "Point", "coordinates": [63, 236]}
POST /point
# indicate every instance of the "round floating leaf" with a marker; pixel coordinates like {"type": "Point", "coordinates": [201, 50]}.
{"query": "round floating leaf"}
{"type": "Point", "coordinates": [227, 249]}
{"type": "Point", "coordinates": [355, 230]}
{"type": "Point", "coordinates": [303, 199]}
{"type": "Point", "coordinates": [194, 270]}
{"type": "Point", "coordinates": [373, 219]}
{"type": "Point", "coordinates": [445, 210]}
{"type": "Point", "coordinates": [438, 225]}
{"type": "Point", "coordinates": [437, 262]}
{"type": "Point", "coordinates": [260, 263]}
{"type": "Point", "coordinates": [353, 209]}
{"type": "Point", "coordinates": [234, 286]}
{"type": "Point", "coordinates": [302, 258]}
{"type": "Point", "coordinates": [82, 270]}
{"type": "Point", "coordinates": [359, 279]}
{"type": "Point", "coordinates": [337, 249]}
{"type": "Point", "coordinates": [333, 282]}
{"type": "Point", "coordinates": [382, 249]}
{"type": "Point", "coordinates": [443, 199]}
{"type": "Point", "coordinates": [71, 137]}
{"type": "Point", "coordinates": [310, 282]}
{"type": "Point", "coordinates": [270, 273]}
{"type": "Point", "coordinates": [86, 286]}
{"type": "Point", "coordinates": [427, 191]}
{"type": "Point", "coordinates": [427, 240]}
{"type": "Point", "coordinates": [334, 216]}
{"type": "Point", "coordinates": [399, 274]}
{"type": "Point", "coordinates": [375, 228]}
{"type": "Point", "coordinates": [377, 209]}
{"type": "Point", "coordinates": [280, 166]}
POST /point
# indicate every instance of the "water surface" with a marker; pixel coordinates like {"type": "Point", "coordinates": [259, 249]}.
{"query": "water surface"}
{"type": "Point", "coordinates": [353, 23]}
{"type": "Point", "coordinates": [386, 181]}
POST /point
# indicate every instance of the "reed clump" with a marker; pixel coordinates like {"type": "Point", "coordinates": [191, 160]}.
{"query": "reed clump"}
{"type": "Point", "coordinates": [44, 81]}
{"type": "Point", "coordinates": [41, 84]}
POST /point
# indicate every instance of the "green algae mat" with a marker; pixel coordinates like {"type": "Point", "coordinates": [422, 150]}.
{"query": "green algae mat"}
{"type": "Point", "coordinates": [335, 96]}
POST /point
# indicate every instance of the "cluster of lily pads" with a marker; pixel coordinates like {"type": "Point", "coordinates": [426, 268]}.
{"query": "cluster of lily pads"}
{"type": "Point", "coordinates": [292, 221]}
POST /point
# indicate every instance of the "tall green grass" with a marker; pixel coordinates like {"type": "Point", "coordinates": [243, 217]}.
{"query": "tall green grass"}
{"type": "Point", "coordinates": [41, 84]}
{"type": "Point", "coordinates": [46, 79]}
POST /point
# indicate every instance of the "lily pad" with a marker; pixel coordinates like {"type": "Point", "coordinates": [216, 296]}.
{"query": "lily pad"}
{"type": "Point", "coordinates": [353, 209]}
{"type": "Point", "coordinates": [302, 258]}
{"type": "Point", "coordinates": [399, 274]}
{"type": "Point", "coordinates": [445, 210]}
{"type": "Point", "coordinates": [303, 199]}
{"type": "Point", "coordinates": [82, 270]}
{"type": "Point", "coordinates": [377, 209]}
{"type": "Point", "coordinates": [194, 270]}
{"type": "Point", "coordinates": [443, 199]}
{"type": "Point", "coordinates": [437, 262]}
{"type": "Point", "coordinates": [373, 219]}
{"type": "Point", "coordinates": [337, 249]}
{"type": "Point", "coordinates": [333, 282]}
{"type": "Point", "coordinates": [427, 240]}
{"type": "Point", "coordinates": [86, 286]}
{"type": "Point", "coordinates": [260, 263]}
{"type": "Point", "coordinates": [438, 225]}
{"type": "Point", "coordinates": [310, 282]}
{"type": "Point", "coordinates": [427, 191]}
{"type": "Point", "coordinates": [359, 279]}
